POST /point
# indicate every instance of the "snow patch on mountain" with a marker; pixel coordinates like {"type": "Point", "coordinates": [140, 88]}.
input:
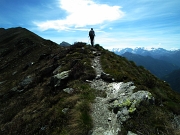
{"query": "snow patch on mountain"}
{"type": "Point", "coordinates": [154, 52]}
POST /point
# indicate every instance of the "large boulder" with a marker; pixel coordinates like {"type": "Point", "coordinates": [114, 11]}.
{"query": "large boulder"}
{"type": "Point", "coordinates": [127, 105]}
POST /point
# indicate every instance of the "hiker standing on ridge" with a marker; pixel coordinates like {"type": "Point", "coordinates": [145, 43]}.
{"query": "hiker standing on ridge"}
{"type": "Point", "coordinates": [91, 35]}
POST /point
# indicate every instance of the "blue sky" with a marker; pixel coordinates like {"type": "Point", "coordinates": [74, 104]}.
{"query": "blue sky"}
{"type": "Point", "coordinates": [117, 23]}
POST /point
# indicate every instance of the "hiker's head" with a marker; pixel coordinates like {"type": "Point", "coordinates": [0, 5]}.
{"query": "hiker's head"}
{"type": "Point", "coordinates": [91, 28]}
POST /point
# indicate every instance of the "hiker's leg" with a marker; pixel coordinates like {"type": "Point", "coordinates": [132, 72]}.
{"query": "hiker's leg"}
{"type": "Point", "coordinates": [92, 41]}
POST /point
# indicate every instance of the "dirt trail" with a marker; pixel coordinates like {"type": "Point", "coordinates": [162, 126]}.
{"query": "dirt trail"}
{"type": "Point", "coordinates": [105, 122]}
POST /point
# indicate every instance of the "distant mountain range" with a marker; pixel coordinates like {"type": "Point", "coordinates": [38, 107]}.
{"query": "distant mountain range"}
{"type": "Point", "coordinates": [171, 56]}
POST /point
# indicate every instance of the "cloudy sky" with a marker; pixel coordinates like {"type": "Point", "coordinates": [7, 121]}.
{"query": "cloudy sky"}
{"type": "Point", "coordinates": [117, 23]}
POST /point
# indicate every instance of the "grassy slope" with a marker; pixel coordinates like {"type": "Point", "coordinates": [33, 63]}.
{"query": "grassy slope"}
{"type": "Point", "coordinates": [38, 109]}
{"type": "Point", "coordinates": [173, 79]}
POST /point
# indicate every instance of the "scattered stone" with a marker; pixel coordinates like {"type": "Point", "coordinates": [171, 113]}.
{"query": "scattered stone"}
{"type": "Point", "coordinates": [27, 81]}
{"type": "Point", "coordinates": [20, 90]}
{"type": "Point", "coordinates": [98, 77]}
{"type": "Point", "coordinates": [14, 89]}
{"type": "Point", "coordinates": [56, 80]}
{"type": "Point", "coordinates": [88, 81]}
{"type": "Point", "coordinates": [109, 119]}
{"type": "Point", "coordinates": [2, 82]}
{"type": "Point", "coordinates": [65, 110]}
{"type": "Point", "coordinates": [56, 71]}
{"type": "Point", "coordinates": [68, 90]}
{"type": "Point", "coordinates": [43, 128]}
{"type": "Point", "coordinates": [62, 75]}
{"type": "Point", "coordinates": [176, 122]}
{"type": "Point", "coordinates": [14, 72]}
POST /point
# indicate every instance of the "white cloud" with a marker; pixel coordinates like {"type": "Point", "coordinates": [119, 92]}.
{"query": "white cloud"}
{"type": "Point", "coordinates": [81, 13]}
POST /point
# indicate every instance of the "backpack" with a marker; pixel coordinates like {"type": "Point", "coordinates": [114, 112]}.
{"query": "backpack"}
{"type": "Point", "coordinates": [91, 33]}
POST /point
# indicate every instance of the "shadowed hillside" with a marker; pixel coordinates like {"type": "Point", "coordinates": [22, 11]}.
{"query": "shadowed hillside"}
{"type": "Point", "coordinates": [44, 88]}
{"type": "Point", "coordinates": [174, 80]}
{"type": "Point", "coordinates": [157, 67]}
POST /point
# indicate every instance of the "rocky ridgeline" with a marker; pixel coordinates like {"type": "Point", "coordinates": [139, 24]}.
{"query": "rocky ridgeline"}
{"type": "Point", "coordinates": [110, 112]}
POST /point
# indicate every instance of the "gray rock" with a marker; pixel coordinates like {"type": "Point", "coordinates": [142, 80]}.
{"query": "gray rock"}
{"type": "Point", "coordinates": [14, 89]}
{"type": "Point", "coordinates": [102, 131]}
{"type": "Point", "coordinates": [14, 72]}
{"type": "Point", "coordinates": [62, 75]}
{"type": "Point", "coordinates": [125, 111]}
{"type": "Point", "coordinates": [176, 122]}
{"type": "Point", "coordinates": [98, 77]}
{"type": "Point", "coordinates": [27, 81]}
{"type": "Point", "coordinates": [2, 82]}
{"type": "Point", "coordinates": [65, 110]}
{"type": "Point", "coordinates": [56, 80]}
{"type": "Point", "coordinates": [68, 90]}
{"type": "Point", "coordinates": [123, 114]}
{"type": "Point", "coordinates": [56, 71]}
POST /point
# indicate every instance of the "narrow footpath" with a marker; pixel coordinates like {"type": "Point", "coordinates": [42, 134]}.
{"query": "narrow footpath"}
{"type": "Point", "coordinates": [105, 121]}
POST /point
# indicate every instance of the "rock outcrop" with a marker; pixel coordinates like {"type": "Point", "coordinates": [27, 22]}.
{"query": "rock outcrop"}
{"type": "Point", "coordinates": [57, 80]}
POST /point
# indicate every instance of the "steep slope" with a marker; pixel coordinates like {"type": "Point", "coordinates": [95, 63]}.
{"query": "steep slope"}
{"type": "Point", "coordinates": [173, 79]}
{"type": "Point", "coordinates": [48, 89]}
{"type": "Point", "coordinates": [157, 67]}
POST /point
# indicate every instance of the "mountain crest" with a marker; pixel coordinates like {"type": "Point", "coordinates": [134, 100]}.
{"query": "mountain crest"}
{"type": "Point", "coordinates": [77, 90]}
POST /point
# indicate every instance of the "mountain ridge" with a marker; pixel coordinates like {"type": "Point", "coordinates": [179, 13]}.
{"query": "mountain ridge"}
{"type": "Point", "coordinates": [46, 89]}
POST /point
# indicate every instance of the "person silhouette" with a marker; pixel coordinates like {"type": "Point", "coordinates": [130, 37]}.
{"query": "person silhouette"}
{"type": "Point", "coordinates": [92, 35]}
